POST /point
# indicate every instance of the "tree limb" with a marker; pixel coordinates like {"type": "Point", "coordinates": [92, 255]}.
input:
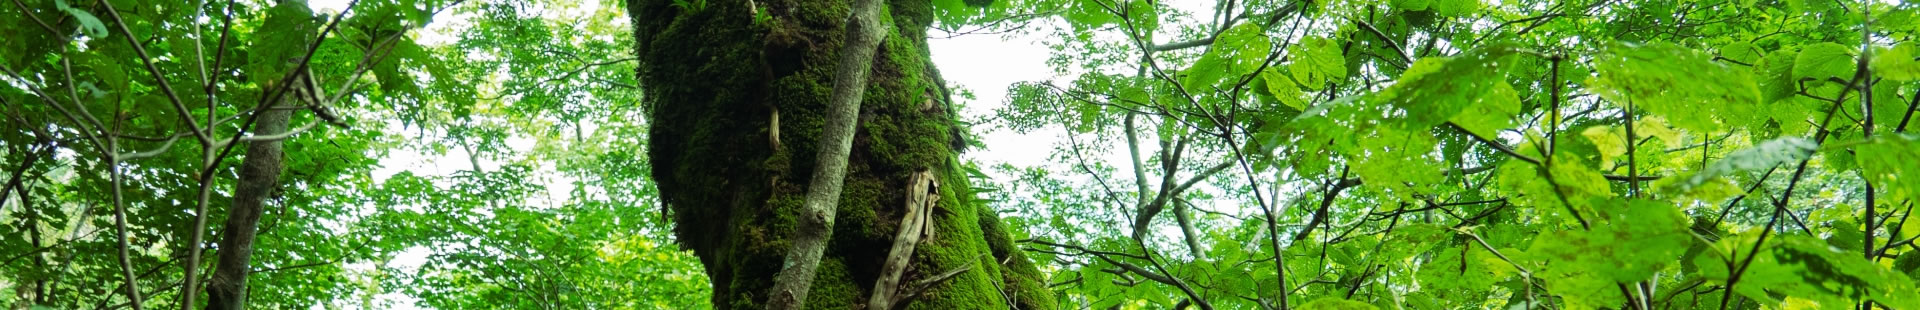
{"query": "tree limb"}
{"type": "Point", "coordinates": [864, 33]}
{"type": "Point", "coordinates": [918, 207]}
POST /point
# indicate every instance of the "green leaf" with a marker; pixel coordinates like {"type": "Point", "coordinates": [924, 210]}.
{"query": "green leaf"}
{"type": "Point", "coordinates": [954, 10]}
{"type": "Point", "coordinates": [1412, 5]}
{"type": "Point", "coordinates": [1455, 8]}
{"type": "Point", "coordinates": [1490, 112]}
{"type": "Point", "coordinates": [1436, 89]}
{"type": "Point", "coordinates": [1681, 84]}
{"type": "Point", "coordinates": [1803, 267]}
{"type": "Point", "coordinates": [88, 23]}
{"type": "Point", "coordinates": [1317, 61]}
{"type": "Point", "coordinates": [1611, 142]}
{"type": "Point", "coordinates": [1823, 61]}
{"type": "Point", "coordinates": [1762, 156]}
{"type": "Point", "coordinates": [1741, 51]}
{"type": "Point", "coordinates": [1088, 14]}
{"type": "Point", "coordinates": [1629, 242]}
{"type": "Point", "coordinates": [1283, 89]}
{"type": "Point", "coordinates": [1334, 303]}
{"type": "Point", "coordinates": [1889, 162]}
{"type": "Point", "coordinates": [278, 48]}
{"type": "Point", "coordinates": [1414, 239]}
{"type": "Point", "coordinates": [1774, 74]}
{"type": "Point", "coordinates": [1397, 161]}
{"type": "Point", "coordinates": [1901, 63]}
{"type": "Point", "coordinates": [1239, 51]}
{"type": "Point", "coordinates": [1908, 263]}
{"type": "Point", "coordinates": [1846, 235]}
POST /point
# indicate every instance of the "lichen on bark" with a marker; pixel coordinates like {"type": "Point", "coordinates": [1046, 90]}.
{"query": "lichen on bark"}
{"type": "Point", "coordinates": [714, 78]}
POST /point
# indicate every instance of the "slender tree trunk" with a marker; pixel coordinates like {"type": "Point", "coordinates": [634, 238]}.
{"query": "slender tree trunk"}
{"type": "Point", "coordinates": [33, 231]}
{"type": "Point", "coordinates": [259, 175]}
{"type": "Point", "coordinates": [737, 94]}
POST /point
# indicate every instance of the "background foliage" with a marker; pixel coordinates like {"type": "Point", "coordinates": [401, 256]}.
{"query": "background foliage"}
{"type": "Point", "coordinates": [548, 210]}
{"type": "Point", "coordinates": [1334, 154]}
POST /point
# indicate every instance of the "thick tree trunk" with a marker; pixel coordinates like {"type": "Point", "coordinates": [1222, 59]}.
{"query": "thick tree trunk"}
{"type": "Point", "coordinates": [259, 174]}
{"type": "Point", "coordinates": [737, 105]}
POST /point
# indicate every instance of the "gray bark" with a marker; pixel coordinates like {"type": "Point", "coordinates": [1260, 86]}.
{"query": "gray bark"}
{"type": "Point", "coordinates": [259, 175]}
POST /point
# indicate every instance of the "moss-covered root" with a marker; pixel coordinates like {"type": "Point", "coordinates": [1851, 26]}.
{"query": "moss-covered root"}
{"type": "Point", "coordinates": [716, 76]}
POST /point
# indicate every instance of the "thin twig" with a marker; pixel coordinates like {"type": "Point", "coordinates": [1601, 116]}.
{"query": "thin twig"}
{"type": "Point", "coordinates": [1553, 127]}
{"type": "Point", "coordinates": [166, 87]}
{"type": "Point", "coordinates": [120, 225]}
{"type": "Point", "coordinates": [36, 18]}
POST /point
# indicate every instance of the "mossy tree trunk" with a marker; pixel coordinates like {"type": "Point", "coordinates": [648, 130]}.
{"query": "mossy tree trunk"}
{"type": "Point", "coordinates": [737, 103]}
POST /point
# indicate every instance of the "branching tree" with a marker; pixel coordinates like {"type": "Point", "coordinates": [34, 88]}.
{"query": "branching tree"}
{"type": "Point", "coordinates": [738, 92]}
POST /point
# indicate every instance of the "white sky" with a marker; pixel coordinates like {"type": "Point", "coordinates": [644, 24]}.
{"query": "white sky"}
{"type": "Point", "coordinates": [987, 64]}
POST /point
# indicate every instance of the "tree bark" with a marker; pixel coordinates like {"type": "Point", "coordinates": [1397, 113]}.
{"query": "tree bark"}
{"type": "Point", "coordinates": [715, 74]}
{"type": "Point", "coordinates": [259, 175]}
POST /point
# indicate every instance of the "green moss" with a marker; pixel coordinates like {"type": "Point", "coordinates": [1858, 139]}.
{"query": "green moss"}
{"type": "Point", "coordinates": [834, 288]}
{"type": "Point", "coordinates": [858, 218]}
{"type": "Point", "coordinates": [1024, 281]}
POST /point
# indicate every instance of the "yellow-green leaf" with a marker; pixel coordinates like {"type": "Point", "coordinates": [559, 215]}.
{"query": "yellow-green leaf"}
{"type": "Point", "coordinates": [1900, 63]}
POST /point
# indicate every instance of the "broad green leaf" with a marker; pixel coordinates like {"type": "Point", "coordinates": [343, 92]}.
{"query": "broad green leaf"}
{"type": "Point", "coordinates": [1811, 6]}
{"type": "Point", "coordinates": [1435, 90]}
{"type": "Point", "coordinates": [1889, 162]}
{"type": "Point", "coordinates": [1398, 161]}
{"type": "Point", "coordinates": [1317, 61]}
{"type": "Point", "coordinates": [1630, 240]}
{"type": "Point", "coordinates": [1490, 112]}
{"type": "Point", "coordinates": [1239, 51]}
{"type": "Point", "coordinates": [1413, 5]}
{"type": "Point", "coordinates": [1741, 51]}
{"type": "Point", "coordinates": [1901, 63]}
{"type": "Point", "coordinates": [1085, 14]}
{"type": "Point", "coordinates": [1332, 303]}
{"type": "Point", "coordinates": [1678, 83]}
{"type": "Point", "coordinates": [1846, 235]}
{"type": "Point", "coordinates": [1462, 273]}
{"type": "Point", "coordinates": [1414, 239]}
{"type": "Point", "coordinates": [1283, 89]}
{"type": "Point", "coordinates": [1454, 8]}
{"type": "Point", "coordinates": [1656, 127]}
{"type": "Point", "coordinates": [1908, 263]}
{"type": "Point", "coordinates": [1576, 178]}
{"type": "Point", "coordinates": [1585, 289]}
{"type": "Point", "coordinates": [1774, 74]}
{"type": "Point", "coordinates": [1611, 141]}
{"type": "Point", "coordinates": [92, 25]}
{"type": "Point", "coordinates": [280, 46]}
{"type": "Point", "coordinates": [1822, 61]}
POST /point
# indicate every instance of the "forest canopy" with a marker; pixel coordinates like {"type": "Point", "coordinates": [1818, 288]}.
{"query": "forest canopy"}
{"type": "Point", "coordinates": [1229, 154]}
